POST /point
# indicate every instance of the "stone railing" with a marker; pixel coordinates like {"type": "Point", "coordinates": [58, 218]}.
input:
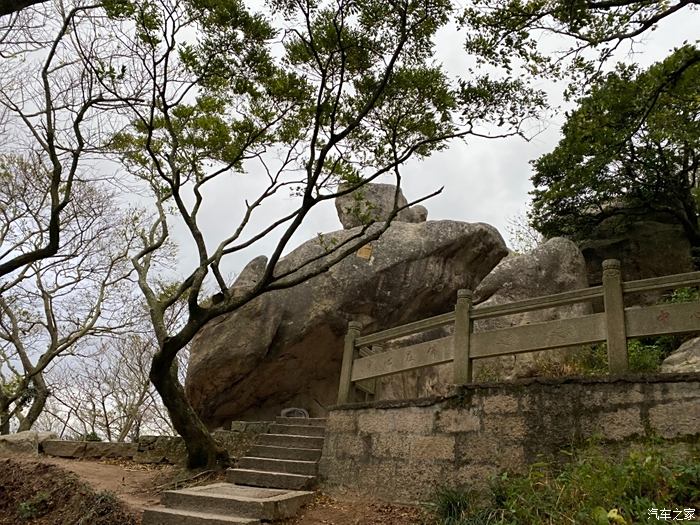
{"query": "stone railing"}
{"type": "Point", "coordinates": [364, 358]}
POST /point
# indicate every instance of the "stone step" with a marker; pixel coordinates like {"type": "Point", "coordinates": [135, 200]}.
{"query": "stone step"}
{"type": "Point", "coordinates": [291, 441]}
{"type": "Point", "coordinates": [297, 430]}
{"type": "Point", "coordinates": [309, 421]}
{"type": "Point", "coordinates": [163, 516]}
{"type": "Point", "coordinates": [276, 480]}
{"type": "Point", "coordinates": [308, 468]}
{"type": "Point", "coordinates": [299, 454]}
{"type": "Point", "coordinates": [235, 500]}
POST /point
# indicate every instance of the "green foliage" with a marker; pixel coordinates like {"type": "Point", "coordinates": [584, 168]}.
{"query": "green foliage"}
{"type": "Point", "coordinates": [90, 436]}
{"type": "Point", "coordinates": [37, 506]}
{"type": "Point", "coordinates": [592, 488]}
{"type": "Point", "coordinates": [646, 354]}
{"type": "Point", "coordinates": [358, 75]}
{"type": "Point", "coordinates": [509, 33]}
{"type": "Point", "coordinates": [633, 144]}
{"type": "Point", "coordinates": [685, 295]}
{"type": "Point", "coordinates": [11, 386]}
{"type": "Point", "coordinates": [451, 505]}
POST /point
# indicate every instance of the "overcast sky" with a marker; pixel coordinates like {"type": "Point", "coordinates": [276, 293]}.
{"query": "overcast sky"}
{"type": "Point", "coordinates": [484, 180]}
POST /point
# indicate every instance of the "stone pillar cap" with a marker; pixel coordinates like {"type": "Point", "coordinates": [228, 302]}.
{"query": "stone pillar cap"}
{"type": "Point", "coordinates": [611, 264]}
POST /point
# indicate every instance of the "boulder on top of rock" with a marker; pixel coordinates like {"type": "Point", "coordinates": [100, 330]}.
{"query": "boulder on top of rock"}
{"type": "Point", "coordinates": [373, 203]}
{"type": "Point", "coordinates": [284, 348]}
{"type": "Point", "coordinates": [553, 267]}
{"type": "Point", "coordinates": [684, 360]}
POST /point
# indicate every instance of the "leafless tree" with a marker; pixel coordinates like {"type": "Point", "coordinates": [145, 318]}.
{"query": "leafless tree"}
{"type": "Point", "coordinates": [522, 236]}
{"type": "Point", "coordinates": [54, 304]}
{"type": "Point", "coordinates": [108, 393]}
{"type": "Point", "coordinates": [54, 112]}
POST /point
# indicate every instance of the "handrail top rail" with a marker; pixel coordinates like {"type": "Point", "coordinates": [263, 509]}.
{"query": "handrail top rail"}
{"type": "Point", "coordinates": [406, 329]}
{"type": "Point", "coordinates": [677, 280]}
{"type": "Point", "coordinates": [537, 303]}
{"type": "Point", "coordinates": [526, 305]}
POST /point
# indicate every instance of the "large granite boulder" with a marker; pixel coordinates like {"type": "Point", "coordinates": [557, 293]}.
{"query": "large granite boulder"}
{"type": "Point", "coordinates": [375, 202]}
{"type": "Point", "coordinates": [284, 348]}
{"type": "Point", "coordinates": [685, 359]}
{"type": "Point", "coordinates": [555, 266]}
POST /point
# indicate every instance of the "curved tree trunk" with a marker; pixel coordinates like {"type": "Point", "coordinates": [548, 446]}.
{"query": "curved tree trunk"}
{"type": "Point", "coordinates": [38, 403]}
{"type": "Point", "coordinates": [202, 450]}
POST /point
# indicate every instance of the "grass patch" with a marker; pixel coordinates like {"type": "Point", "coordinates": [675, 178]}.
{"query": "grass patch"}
{"type": "Point", "coordinates": [35, 507]}
{"type": "Point", "coordinates": [592, 489]}
{"type": "Point", "coordinates": [643, 355]}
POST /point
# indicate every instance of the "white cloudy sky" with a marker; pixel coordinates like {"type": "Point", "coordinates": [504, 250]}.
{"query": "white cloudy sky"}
{"type": "Point", "coordinates": [484, 180]}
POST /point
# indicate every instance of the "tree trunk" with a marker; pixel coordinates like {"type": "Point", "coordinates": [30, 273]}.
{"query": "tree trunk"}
{"type": "Point", "coordinates": [38, 403]}
{"type": "Point", "coordinates": [4, 421]}
{"type": "Point", "coordinates": [4, 413]}
{"type": "Point", "coordinates": [202, 450]}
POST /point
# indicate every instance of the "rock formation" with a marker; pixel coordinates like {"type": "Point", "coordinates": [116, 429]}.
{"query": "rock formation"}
{"type": "Point", "coordinates": [375, 202]}
{"type": "Point", "coordinates": [553, 267]}
{"type": "Point", "coordinates": [685, 359]}
{"type": "Point", "coordinates": [27, 442]}
{"type": "Point", "coordinates": [651, 246]}
{"type": "Point", "coordinates": [284, 348]}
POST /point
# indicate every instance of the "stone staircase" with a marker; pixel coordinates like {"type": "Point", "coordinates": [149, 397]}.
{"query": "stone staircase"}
{"type": "Point", "coordinates": [272, 483]}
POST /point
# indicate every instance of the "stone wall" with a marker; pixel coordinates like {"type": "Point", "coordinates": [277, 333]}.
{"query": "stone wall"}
{"type": "Point", "coordinates": [156, 449]}
{"type": "Point", "coordinates": [402, 451]}
{"type": "Point", "coordinates": [88, 449]}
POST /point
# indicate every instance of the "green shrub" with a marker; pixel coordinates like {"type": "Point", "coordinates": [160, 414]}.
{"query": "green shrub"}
{"type": "Point", "coordinates": [644, 355]}
{"type": "Point", "coordinates": [591, 489]}
{"type": "Point", "coordinates": [35, 507]}
{"type": "Point", "coordinates": [684, 295]}
{"type": "Point", "coordinates": [90, 436]}
{"type": "Point", "coordinates": [452, 505]}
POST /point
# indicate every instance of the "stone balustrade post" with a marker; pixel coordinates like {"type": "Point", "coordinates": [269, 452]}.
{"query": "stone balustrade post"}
{"type": "Point", "coordinates": [349, 354]}
{"type": "Point", "coordinates": [615, 317]}
{"type": "Point", "coordinates": [462, 364]}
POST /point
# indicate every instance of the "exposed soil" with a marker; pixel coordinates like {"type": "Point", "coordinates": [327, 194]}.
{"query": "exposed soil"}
{"type": "Point", "coordinates": [44, 494]}
{"type": "Point", "coordinates": [328, 511]}
{"type": "Point", "coordinates": [54, 491]}
{"type": "Point", "coordinates": [132, 483]}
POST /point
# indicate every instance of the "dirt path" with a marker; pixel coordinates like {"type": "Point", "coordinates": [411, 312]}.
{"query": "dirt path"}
{"type": "Point", "coordinates": [134, 484]}
{"type": "Point", "coordinates": [139, 486]}
{"type": "Point", "coordinates": [328, 511]}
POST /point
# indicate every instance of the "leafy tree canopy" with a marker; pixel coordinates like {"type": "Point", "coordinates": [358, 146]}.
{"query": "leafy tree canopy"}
{"type": "Point", "coordinates": [632, 144]}
{"type": "Point", "coordinates": [506, 32]}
